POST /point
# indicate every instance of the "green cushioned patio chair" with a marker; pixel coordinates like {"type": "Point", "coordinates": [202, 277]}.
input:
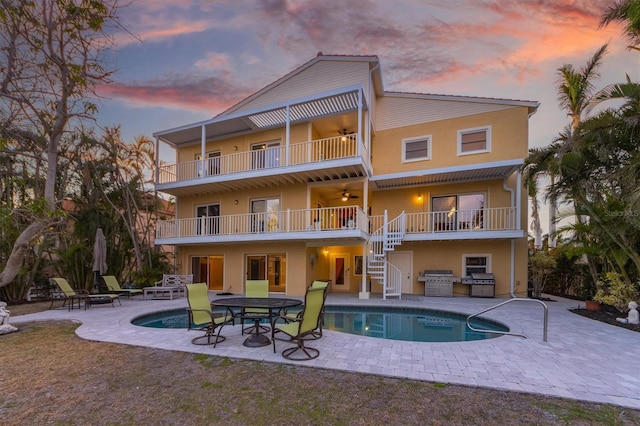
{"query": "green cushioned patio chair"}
{"type": "Point", "coordinates": [302, 326]}
{"type": "Point", "coordinates": [255, 288]}
{"type": "Point", "coordinates": [114, 287]}
{"type": "Point", "coordinates": [201, 316]}
{"type": "Point", "coordinates": [316, 334]}
{"type": "Point", "coordinates": [72, 295]}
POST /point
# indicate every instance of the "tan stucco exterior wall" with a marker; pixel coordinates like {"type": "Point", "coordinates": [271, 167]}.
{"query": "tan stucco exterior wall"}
{"type": "Point", "coordinates": [509, 129]}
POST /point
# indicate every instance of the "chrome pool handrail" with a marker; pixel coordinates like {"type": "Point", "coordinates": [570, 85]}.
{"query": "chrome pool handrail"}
{"type": "Point", "coordinates": [516, 299]}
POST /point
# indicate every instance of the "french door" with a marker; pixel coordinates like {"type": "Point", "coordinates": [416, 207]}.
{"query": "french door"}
{"type": "Point", "coordinates": [208, 269]}
{"type": "Point", "coordinates": [272, 267]}
{"type": "Point", "coordinates": [340, 271]}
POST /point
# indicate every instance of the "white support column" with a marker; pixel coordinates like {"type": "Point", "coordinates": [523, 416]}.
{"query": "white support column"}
{"type": "Point", "coordinates": [364, 292]}
{"type": "Point", "coordinates": [157, 165]}
{"type": "Point", "coordinates": [359, 147]}
{"type": "Point", "coordinates": [518, 199]}
{"type": "Point", "coordinates": [203, 149]}
{"type": "Point", "coordinates": [288, 135]}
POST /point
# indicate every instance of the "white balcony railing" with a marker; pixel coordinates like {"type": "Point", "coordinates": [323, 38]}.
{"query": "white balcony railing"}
{"type": "Point", "coordinates": [337, 218]}
{"type": "Point", "coordinates": [489, 219]}
{"type": "Point", "coordinates": [308, 220]}
{"type": "Point", "coordinates": [299, 153]}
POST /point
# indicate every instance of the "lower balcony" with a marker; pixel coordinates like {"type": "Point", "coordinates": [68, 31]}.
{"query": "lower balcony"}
{"type": "Point", "coordinates": [333, 223]}
{"type": "Point", "coordinates": [498, 222]}
{"type": "Point", "coordinates": [338, 224]}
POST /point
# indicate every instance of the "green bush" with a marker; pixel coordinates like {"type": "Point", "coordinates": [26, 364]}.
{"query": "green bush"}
{"type": "Point", "coordinates": [613, 290]}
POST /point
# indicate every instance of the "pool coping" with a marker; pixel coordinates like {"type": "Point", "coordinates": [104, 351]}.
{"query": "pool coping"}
{"type": "Point", "coordinates": [576, 345]}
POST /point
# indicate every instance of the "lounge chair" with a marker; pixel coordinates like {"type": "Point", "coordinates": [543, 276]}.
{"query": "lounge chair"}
{"type": "Point", "coordinates": [114, 287]}
{"type": "Point", "coordinates": [307, 322]}
{"type": "Point", "coordinates": [82, 295]}
{"type": "Point", "coordinates": [201, 316]}
{"type": "Point", "coordinates": [255, 288]}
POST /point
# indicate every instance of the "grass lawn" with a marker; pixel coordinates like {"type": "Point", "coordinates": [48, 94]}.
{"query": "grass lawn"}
{"type": "Point", "coordinates": [50, 376]}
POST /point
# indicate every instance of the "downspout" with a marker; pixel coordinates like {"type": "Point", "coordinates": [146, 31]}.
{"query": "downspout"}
{"type": "Point", "coordinates": [369, 115]}
{"type": "Point", "coordinates": [512, 260]}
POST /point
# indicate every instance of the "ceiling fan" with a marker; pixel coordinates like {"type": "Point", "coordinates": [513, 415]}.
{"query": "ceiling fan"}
{"type": "Point", "coordinates": [344, 133]}
{"type": "Point", "coordinates": [346, 196]}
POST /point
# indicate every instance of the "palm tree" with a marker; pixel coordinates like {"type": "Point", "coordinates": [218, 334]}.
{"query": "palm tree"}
{"type": "Point", "coordinates": [626, 12]}
{"type": "Point", "coordinates": [540, 163]}
{"type": "Point", "coordinates": [575, 88]}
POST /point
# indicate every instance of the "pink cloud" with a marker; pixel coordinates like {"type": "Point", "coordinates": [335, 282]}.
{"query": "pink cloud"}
{"type": "Point", "coordinates": [208, 95]}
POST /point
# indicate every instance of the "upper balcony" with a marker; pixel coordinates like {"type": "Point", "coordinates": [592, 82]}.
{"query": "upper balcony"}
{"type": "Point", "coordinates": [316, 160]}
{"type": "Point", "coordinates": [318, 153]}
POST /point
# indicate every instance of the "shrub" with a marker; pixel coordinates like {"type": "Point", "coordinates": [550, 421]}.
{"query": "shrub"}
{"type": "Point", "coordinates": [615, 291]}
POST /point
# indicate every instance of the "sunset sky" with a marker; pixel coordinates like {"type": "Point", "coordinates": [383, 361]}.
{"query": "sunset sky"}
{"type": "Point", "coordinates": [191, 59]}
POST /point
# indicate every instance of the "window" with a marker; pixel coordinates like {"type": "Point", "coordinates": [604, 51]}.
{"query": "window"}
{"type": "Point", "coordinates": [265, 215]}
{"type": "Point", "coordinates": [475, 264]}
{"type": "Point", "coordinates": [458, 212]}
{"type": "Point", "coordinates": [212, 163]}
{"type": "Point", "coordinates": [473, 141]}
{"type": "Point", "coordinates": [208, 219]}
{"type": "Point", "coordinates": [265, 155]}
{"type": "Point", "coordinates": [415, 149]}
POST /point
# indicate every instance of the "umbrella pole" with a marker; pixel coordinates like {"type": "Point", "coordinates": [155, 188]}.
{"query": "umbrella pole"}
{"type": "Point", "coordinates": [96, 282]}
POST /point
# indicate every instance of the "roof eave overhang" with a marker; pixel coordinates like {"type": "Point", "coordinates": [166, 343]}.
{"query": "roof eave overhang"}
{"type": "Point", "coordinates": [299, 110]}
{"type": "Point", "coordinates": [448, 175]}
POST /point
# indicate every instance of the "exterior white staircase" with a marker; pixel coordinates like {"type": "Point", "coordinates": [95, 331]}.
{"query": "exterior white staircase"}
{"type": "Point", "coordinates": [381, 242]}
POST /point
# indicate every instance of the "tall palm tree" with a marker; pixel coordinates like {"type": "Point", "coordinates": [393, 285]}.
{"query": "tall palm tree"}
{"type": "Point", "coordinates": [575, 87]}
{"type": "Point", "coordinates": [540, 163]}
{"type": "Point", "coordinates": [626, 12]}
{"type": "Point", "coordinates": [575, 92]}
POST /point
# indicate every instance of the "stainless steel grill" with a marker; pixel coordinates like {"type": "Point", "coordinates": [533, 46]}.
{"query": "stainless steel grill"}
{"type": "Point", "coordinates": [482, 285]}
{"type": "Point", "coordinates": [438, 283]}
{"type": "Point", "coordinates": [480, 278]}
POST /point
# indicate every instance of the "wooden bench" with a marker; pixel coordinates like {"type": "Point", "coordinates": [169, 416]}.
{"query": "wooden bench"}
{"type": "Point", "coordinates": [169, 285]}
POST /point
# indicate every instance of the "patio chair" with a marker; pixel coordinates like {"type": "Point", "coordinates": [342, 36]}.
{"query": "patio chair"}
{"type": "Point", "coordinates": [114, 287]}
{"type": "Point", "coordinates": [293, 316]}
{"type": "Point", "coordinates": [82, 295]}
{"type": "Point", "coordinates": [301, 327]}
{"type": "Point", "coordinates": [201, 316]}
{"type": "Point", "coordinates": [255, 288]}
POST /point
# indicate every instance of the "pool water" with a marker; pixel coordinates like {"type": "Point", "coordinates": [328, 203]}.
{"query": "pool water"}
{"type": "Point", "coordinates": [414, 325]}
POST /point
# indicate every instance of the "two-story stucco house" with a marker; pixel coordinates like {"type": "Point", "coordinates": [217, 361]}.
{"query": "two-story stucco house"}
{"type": "Point", "coordinates": [325, 175]}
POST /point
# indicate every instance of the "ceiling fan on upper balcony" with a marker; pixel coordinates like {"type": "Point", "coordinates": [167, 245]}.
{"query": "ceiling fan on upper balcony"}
{"type": "Point", "coordinates": [345, 134]}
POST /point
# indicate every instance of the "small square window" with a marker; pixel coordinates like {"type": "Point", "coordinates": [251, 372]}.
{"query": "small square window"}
{"type": "Point", "coordinates": [476, 264]}
{"type": "Point", "coordinates": [415, 149]}
{"type": "Point", "coordinates": [473, 141]}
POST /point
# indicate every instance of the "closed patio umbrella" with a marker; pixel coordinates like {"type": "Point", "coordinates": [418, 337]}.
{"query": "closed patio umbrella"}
{"type": "Point", "coordinates": [99, 258]}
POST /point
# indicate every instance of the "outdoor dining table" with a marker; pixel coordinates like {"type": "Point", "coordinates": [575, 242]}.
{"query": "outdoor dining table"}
{"type": "Point", "coordinates": [273, 304]}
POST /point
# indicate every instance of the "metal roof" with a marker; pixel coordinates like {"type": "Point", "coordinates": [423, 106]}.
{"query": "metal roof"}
{"type": "Point", "coordinates": [273, 116]}
{"type": "Point", "coordinates": [473, 172]}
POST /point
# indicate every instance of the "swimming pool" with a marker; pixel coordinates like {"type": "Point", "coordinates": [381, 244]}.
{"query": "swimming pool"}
{"type": "Point", "coordinates": [409, 324]}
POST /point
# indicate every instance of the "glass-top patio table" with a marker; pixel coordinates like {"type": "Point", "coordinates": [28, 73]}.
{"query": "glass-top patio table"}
{"type": "Point", "coordinates": [273, 304]}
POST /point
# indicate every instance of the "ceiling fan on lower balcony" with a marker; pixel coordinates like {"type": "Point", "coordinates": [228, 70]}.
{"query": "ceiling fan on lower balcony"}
{"type": "Point", "coordinates": [346, 196]}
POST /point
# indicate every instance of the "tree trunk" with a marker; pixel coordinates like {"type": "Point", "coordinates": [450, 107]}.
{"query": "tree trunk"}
{"type": "Point", "coordinates": [19, 249]}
